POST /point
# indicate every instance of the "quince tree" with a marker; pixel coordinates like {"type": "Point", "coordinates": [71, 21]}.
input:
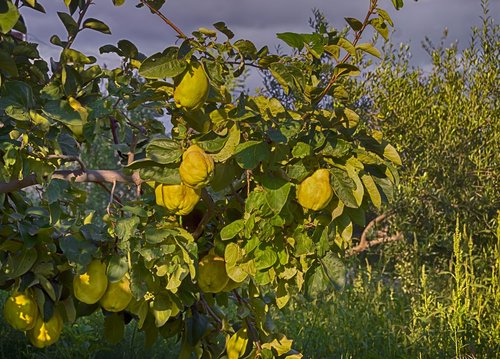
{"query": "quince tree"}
{"type": "Point", "coordinates": [245, 202]}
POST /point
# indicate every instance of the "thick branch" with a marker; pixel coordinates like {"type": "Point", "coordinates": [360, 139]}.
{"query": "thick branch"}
{"type": "Point", "coordinates": [78, 176]}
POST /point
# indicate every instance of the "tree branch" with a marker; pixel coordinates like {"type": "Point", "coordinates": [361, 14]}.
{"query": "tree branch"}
{"type": "Point", "coordinates": [77, 176]}
{"type": "Point", "coordinates": [165, 19]}
{"type": "Point", "coordinates": [364, 243]}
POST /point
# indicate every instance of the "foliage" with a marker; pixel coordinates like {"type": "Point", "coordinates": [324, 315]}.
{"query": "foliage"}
{"type": "Point", "coordinates": [445, 122]}
{"type": "Point", "coordinates": [376, 317]}
{"type": "Point", "coordinates": [53, 115]}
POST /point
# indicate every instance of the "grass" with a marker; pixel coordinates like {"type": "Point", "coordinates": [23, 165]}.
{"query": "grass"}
{"type": "Point", "coordinates": [411, 311]}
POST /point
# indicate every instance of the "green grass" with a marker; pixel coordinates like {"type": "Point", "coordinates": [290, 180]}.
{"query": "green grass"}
{"type": "Point", "coordinates": [411, 311]}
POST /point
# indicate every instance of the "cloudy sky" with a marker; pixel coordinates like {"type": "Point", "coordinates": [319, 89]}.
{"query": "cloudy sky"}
{"type": "Point", "coordinates": [256, 20]}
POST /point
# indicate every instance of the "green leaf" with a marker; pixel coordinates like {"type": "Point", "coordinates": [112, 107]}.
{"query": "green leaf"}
{"type": "Point", "coordinates": [277, 191]}
{"type": "Point", "coordinates": [19, 263]}
{"type": "Point", "coordinates": [8, 16]}
{"type": "Point", "coordinates": [354, 23]}
{"type": "Point", "coordinates": [385, 15]}
{"type": "Point", "coordinates": [265, 258]}
{"type": "Point", "coordinates": [248, 155]}
{"type": "Point", "coordinates": [380, 26]}
{"type": "Point", "coordinates": [96, 25]}
{"type": "Point", "coordinates": [347, 45]}
{"type": "Point", "coordinates": [398, 4]}
{"type": "Point", "coordinates": [221, 26]}
{"type": "Point", "coordinates": [162, 65]}
{"type": "Point", "coordinates": [117, 268]}
{"type": "Point", "coordinates": [225, 174]}
{"type": "Point", "coordinates": [233, 254]}
{"type": "Point", "coordinates": [343, 187]}
{"type": "Point", "coordinates": [68, 22]}
{"type": "Point", "coordinates": [391, 154]}
{"type": "Point", "coordinates": [372, 190]}
{"type": "Point", "coordinates": [325, 277]}
{"type": "Point", "coordinates": [227, 151]}
{"type": "Point", "coordinates": [7, 64]}
{"type": "Point", "coordinates": [152, 171]}
{"type": "Point", "coordinates": [118, 2]}
{"type": "Point", "coordinates": [301, 150]}
{"type": "Point", "coordinates": [163, 150]}
{"type": "Point", "coordinates": [77, 251]}
{"type": "Point", "coordinates": [292, 39]}
{"type": "Point", "coordinates": [128, 49]}
{"type": "Point", "coordinates": [125, 227]}
{"type": "Point", "coordinates": [232, 229]}
{"type": "Point", "coordinates": [370, 49]}
{"type": "Point", "coordinates": [359, 191]}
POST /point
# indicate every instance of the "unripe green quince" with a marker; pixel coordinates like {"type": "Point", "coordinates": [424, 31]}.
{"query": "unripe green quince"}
{"type": "Point", "coordinates": [178, 198]}
{"type": "Point", "coordinates": [315, 192]}
{"type": "Point", "coordinates": [47, 333]}
{"type": "Point", "coordinates": [212, 276]}
{"type": "Point", "coordinates": [197, 168]}
{"type": "Point", "coordinates": [20, 311]}
{"type": "Point", "coordinates": [117, 296]}
{"type": "Point", "coordinates": [90, 286]}
{"type": "Point", "coordinates": [191, 87]}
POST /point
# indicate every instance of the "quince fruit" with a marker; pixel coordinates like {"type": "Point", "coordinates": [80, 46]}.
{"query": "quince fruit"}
{"type": "Point", "coordinates": [44, 333]}
{"type": "Point", "coordinates": [191, 87]}
{"type": "Point", "coordinates": [20, 311]}
{"type": "Point", "coordinates": [315, 192]}
{"type": "Point", "coordinates": [90, 286]}
{"type": "Point", "coordinates": [212, 275]}
{"type": "Point", "coordinates": [177, 198]}
{"type": "Point", "coordinates": [117, 296]}
{"type": "Point", "coordinates": [197, 168]}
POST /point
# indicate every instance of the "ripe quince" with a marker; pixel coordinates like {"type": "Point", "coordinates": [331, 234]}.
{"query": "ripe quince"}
{"type": "Point", "coordinates": [47, 333]}
{"type": "Point", "coordinates": [117, 296]}
{"type": "Point", "coordinates": [90, 286]}
{"type": "Point", "coordinates": [191, 87]}
{"type": "Point", "coordinates": [197, 168]}
{"type": "Point", "coordinates": [212, 275]}
{"type": "Point", "coordinates": [20, 311]}
{"type": "Point", "coordinates": [177, 198]}
{"type": "Point", "coordinates": [315, 192]}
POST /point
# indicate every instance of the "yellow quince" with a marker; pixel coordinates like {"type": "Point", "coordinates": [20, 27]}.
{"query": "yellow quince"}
{"type": "Point", "coordinates": [212, 276]}
{"type": "Point", "coordinates": [47, 333]}
{"type": "Point", "coordinates": [197, 168]}
{"type": "Point", "coordinates": [191, 87]}
{"type": "Point", "coordinates": [117, 296]}
{"type": "Point", "coordinates": [315, 192]}
{"type": "Point", "coordinates": [20, 311]}
{"type": "Point", "coordinates": [178, 198]}
{"type": "Point", "coordinates": [90, 286]}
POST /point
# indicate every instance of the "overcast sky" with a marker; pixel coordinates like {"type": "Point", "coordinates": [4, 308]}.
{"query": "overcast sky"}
{"type": "Point", "coordinates": [256, 20]}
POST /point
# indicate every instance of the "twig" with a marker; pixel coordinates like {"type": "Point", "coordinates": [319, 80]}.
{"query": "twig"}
{"type": "Point", "coordinates": [209, 310]}
{"type": "Point", "coordinates": [81, 16]}
{"type": "Point", "coordinates": [164, 18]}
{"type": "Point", "coordinates": [108, 211]}
{"type": "Point", "coordinates": [364, 243]}
{"type": "Point", "coordinates": [117, 199]}
{"type": "Point", "coordinates": [357, 36]}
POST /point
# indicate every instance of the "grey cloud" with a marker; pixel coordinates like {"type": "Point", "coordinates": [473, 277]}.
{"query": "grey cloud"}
{"type": "Point", "coordinates": [257, 20]}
